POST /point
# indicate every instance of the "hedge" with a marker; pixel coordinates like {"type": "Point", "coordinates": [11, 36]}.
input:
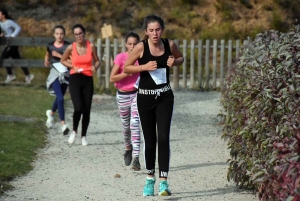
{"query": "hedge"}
{"type": "Point", "coordinates": [261, 101]}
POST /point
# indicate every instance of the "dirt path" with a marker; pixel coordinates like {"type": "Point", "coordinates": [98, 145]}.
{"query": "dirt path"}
{"type": "Point", "coordinates": [198, 169]}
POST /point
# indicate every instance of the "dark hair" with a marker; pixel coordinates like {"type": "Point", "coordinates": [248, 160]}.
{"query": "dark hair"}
{"type": "Point", "coordinates": [152, 18]}
{"type": "Point", "coordinates": [59, 27]}
{"type": "Point", "coordinates": [78, 26]}
{"type": "Point", "coordinates": [132, 34]}
{"type": "Point", "coordinates": [4, 12]}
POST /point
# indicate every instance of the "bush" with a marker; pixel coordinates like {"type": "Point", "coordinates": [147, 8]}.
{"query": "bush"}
{"type": "Point", "coordinates": [292, 6]}
{"type": "Point", "coordinates": [246, 3]}
{"type": "Point", "coordinates": [262, 106]}
{"type": "Point", "coordinates": [226, 9]}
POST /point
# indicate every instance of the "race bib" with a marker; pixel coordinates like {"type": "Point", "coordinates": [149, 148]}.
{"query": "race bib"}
{"type": "Point", "coordinates": [159, 76]}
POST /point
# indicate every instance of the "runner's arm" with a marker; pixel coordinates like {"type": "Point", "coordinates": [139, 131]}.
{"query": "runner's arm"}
{"type": "Point", "coordinates": [176, 53]}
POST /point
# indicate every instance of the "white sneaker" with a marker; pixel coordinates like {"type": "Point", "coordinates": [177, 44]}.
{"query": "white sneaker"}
{"type": "Point", "coordinates": [84, 141]}
{"type": "Point", "coordinates": [71, 139]}
{"type": "Point", "coordinates": [65, 130]}
{"type": "Point", "coordinates": [9, 78]}
{"type": "Point", "coordinates": [28, 78]}
{"type": "Point", "coordinates": [50, 119]}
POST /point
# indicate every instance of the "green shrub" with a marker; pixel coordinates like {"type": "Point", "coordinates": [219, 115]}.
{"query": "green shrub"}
{"type": "Point", "coordinates": [226, 9]}
{"type": "Point", "coordinates": [292, 6]}
{"type": "Point", "coordinates": [224, 31]}
{"type": "Point", "coordinates": [89, 18]}
{"type": "Point", "coordinates": [276, 22]}
{"type": "Point", "coordinates": [33, 52]}
{"type": "Point", "coordinates": [246, 3]}
{"type": "Point", "coordinates": [262, 106]}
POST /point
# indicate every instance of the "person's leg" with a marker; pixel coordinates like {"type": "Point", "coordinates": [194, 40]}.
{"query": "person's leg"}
{"type": "Point", "coordinates": [87, 96]}
{"type": "Point", "coordinates": [64, 127]}
{"type": "Point", "coordinates": [148, 123]}
{"type": "Point", "coordinates": [135, 132]}
{"type": "Point", "coordinates": [164, 112]}
{"type": "Point", "coordinates": [16, 55]}
{"type": "Point", "coordinates": [124, 102]}
{"type": "Point", "coordinates": [77, 100]}
{"type": "Point", "coordinates": [135, 126]}
{"type": "Point", "coordinates": [57, 90]}
{"type": "Point", "coordinates": [6, 53]}
{"type": "Point", "coordinates": [64, 88]}
{"type": "Point", "coordinates": [60, 90]}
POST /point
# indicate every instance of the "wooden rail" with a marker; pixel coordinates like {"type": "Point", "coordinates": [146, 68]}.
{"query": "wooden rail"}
{"type": "Point", "coordinates": [203, 67]}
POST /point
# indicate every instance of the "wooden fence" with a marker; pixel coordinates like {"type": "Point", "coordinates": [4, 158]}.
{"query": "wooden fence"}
{"type": "Point", "coordinates": [204, 64]}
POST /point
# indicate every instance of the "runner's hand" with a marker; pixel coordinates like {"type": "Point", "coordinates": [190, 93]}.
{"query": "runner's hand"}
{"type": "Point", "coordinates": [150, 66]}
{"type": "Point", "coordinates": [170, 61]}
{"type": "Point", "coordinates": [94, 69]}
{"type": "Point", "coordinates": [75, 69]}
{"type": "Point", "coordinates": [46, 63]}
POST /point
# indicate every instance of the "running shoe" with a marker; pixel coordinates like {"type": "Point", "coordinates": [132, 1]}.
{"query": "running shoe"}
{"type": "Point", "coordinates": [136, 164]}
{"type": "Point", "coordinates": [28, 78]}
{"type": "Point", "coordinates": [84, 141]}
{"type": "Point", "coordinates": [9, 78]}
{"type": "Point", "coordinates": [71, 139]}
{"type": "Point", "coordinates": [149, 187]}
{"type": "Point", "coordinates": [65, 130]}
{"type": "Point", "coordinates": [50, 119]}
{"type": "Point", "coordinates": [128, 156]}
{"type": "Point", "coordinates": [164, 189]}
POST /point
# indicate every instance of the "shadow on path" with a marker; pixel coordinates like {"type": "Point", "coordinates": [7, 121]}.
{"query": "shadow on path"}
{"type": "Point", "coordinates": [207, 193]}
{"type": "Point", "coordinates": [190, 166]}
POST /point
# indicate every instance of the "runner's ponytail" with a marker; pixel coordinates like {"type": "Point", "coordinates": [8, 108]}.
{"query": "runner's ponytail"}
{"type": "Point", "coordinates": [145, 37]}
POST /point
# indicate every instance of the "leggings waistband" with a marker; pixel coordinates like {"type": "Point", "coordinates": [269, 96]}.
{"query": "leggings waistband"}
{"type": "Point", "coordinates": [127, 92]}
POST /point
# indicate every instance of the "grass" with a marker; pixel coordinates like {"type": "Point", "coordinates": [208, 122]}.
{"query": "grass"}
{"type": "Point", "coordinates": [20, 141]}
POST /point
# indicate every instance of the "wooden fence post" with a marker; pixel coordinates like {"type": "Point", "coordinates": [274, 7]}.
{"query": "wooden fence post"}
{"type": "Point", "coordinates": [237, 49]}
{"type": "Point", "coordinates": [109, 51]}
{"type": "Point", "coordinates": [107, 62]}
{"type": "Point", "coordinates": [115, 47]}
{"type": "Point", "coordinates": [123, 48]}
{"type": "Point", "coordinates": [99, 72]}
{"type": "Point", "coordinates": [176, 71]}
{"type": "Point", "coordinates": [214, 73]}
{"type": "Point", "coordinates": [207, 46]}
{"type": "Point", "coordinates": [192, 64]}
{"type": "Point", "coordinates": [184, 70]}
{"type": "Point", "coordinates": [229, 55]}
{"type": "Point", "coordinates": [200, 64]}
{"type": "Point", "coordinates": [222, 63]}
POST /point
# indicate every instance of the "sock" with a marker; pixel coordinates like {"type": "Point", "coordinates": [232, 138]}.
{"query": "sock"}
{"type": "Point", "coordinates": [150, 178]}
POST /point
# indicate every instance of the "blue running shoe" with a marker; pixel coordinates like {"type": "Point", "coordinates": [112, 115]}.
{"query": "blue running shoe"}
{"type": "Point", "coordinates": [149, 187]}
{"type": "Point", "coordinates": [164, 189]}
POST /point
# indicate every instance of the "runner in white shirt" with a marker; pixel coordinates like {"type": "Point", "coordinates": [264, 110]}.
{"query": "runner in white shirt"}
{"type": "Point", "coordinates": [11, 29]}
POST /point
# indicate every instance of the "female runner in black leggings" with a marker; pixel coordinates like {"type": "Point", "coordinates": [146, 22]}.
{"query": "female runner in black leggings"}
{"type": "Point", "coordinates": [81, 87]}
{"type": "Point", "coordinates": [155, 98]}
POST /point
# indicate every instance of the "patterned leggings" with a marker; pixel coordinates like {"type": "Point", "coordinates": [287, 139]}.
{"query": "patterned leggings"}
{"type": "Point", "coordinates": [130, 120]}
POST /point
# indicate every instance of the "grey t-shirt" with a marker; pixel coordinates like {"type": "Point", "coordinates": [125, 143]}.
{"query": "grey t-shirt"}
{"type": "Point", "coordinates": [51, 47]}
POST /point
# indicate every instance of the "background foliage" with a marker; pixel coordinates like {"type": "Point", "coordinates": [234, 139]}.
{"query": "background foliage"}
{"type": "Point", "coordinates": [189, 19]}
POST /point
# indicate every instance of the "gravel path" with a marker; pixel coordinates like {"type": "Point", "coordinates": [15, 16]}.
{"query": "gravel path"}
{"type": "Point", "coordinates": [198, 162]}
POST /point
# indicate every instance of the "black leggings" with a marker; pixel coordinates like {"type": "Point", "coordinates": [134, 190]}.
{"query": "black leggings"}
{"type": "Point", "coordinates": [81, 89]}
{"type": "Point", "coordinates": [156, 112]}
{"type": "Point", "coordinates": [13, 52]}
